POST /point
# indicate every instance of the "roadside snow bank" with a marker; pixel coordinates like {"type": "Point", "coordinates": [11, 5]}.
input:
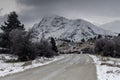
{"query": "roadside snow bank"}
{"type": "Point", "coordinates": [10, 68]}
{"type": "Point", "coordinates": [107, 69]}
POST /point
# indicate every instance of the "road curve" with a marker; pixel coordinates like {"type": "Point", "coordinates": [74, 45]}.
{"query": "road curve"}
{"type": "Point", "coordinates": [72, 67]}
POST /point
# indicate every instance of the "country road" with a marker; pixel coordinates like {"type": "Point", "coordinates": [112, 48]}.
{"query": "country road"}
{"type": "Point", "coordinates": [72, 67]}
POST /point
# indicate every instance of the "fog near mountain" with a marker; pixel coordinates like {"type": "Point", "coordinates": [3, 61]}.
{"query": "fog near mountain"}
{"type": "Point", "coordinates": [63, 28]}
{"type": "Point", "coordinates": [112, 26]}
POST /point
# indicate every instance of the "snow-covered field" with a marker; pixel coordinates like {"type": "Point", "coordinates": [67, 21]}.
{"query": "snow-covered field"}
{"type": "Point", "coordinates": [10, 68]}
{"type": "Point", "coordinates": [107, 68]}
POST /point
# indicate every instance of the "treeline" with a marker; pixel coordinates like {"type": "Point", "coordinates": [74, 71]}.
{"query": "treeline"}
{"type": "Point", "coordinates": [108, 46]}
{"type": "Point", "coordinates": [19, 42]}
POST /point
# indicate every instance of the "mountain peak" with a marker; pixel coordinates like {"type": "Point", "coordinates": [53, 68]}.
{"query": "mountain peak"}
{"type": "Point", "coordinates": [52, 17]}
{"type": "Point", "coordinates": [63, 28]}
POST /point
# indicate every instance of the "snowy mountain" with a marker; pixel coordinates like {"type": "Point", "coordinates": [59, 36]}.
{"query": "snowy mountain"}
{"type": "Point", "coordinates": [63, 28]}
{"type": "Point", "coordinates": [113, 26]}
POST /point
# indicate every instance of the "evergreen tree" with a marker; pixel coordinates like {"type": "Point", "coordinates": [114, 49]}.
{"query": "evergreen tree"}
{"type": "Point", "coordinates": [54, 47]}
{"type": "Point", "coordinates": [11, 24]}
{"type": "Point", "coordinates": [119, 35]}
{"type": "Point", "coordinates": [95, 38]}
{"type": "Point", "coordinates": [83, 40]}
{"type": "Point", "coordinates": [99, 36]}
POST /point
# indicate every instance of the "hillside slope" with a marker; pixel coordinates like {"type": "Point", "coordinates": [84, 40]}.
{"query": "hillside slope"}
{"type": "Point", "coordinates": [63, 28]}
{"type": "Point", "coordinates": [113, 26]}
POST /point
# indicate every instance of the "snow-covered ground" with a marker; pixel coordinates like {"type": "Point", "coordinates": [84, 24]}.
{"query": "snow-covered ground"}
{"type": "Point", "coordinates": [107, 68]}
{"type": "Point", "coordinates": [10, 68]}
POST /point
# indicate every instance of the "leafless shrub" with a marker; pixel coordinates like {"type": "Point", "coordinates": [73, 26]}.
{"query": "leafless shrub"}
{"type": "Point", "coordinates": [43, 48]}
{"type": "Point", "coordinates": [108, 47]}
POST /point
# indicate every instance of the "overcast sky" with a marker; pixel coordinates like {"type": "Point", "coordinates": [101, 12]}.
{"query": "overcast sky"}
{"type": "Point", "coordinates": [31, 11]}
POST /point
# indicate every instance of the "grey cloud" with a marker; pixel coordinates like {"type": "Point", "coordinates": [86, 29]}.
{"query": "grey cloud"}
{"type": "Point", "coordinates": [104, 8]}
{"type": "Point", "coordinates": [91, 7]}
{"type": "Point", "coordinates": [1, 9]}
{"type": "Point", "coordinates": [2, 19]}
{"type": "Point", "coordinates": [38, 2]}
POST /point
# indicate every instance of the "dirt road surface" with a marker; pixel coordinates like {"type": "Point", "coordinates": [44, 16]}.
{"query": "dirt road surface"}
{"type": "Point", "coordinates": [72, 67]}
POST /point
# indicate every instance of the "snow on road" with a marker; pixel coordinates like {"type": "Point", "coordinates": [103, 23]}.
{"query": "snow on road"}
{"type": "Point", "coordinates": [106, 72]}
{"type": "Point", "coordinates": [71, 67]}
{"type": "Point", "coordinates": [10, 68]}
